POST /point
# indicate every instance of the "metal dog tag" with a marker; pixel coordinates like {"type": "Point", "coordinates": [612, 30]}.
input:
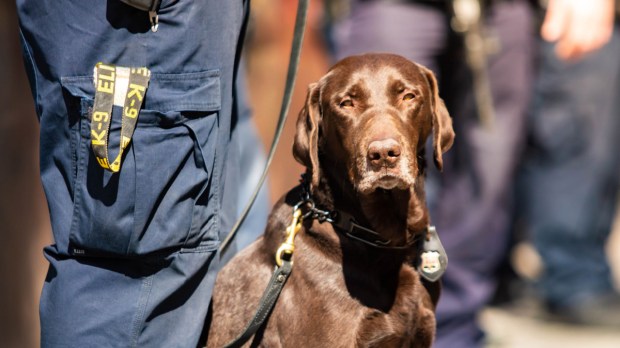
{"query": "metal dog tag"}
{"type": "Point", "coordinates": [433, 259]}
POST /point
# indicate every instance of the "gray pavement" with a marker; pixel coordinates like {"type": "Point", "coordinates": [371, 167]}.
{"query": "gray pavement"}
{"type": "Point", "coordinates": [524, 326]}
{"type": "Point", "coordinates": [506, 329]}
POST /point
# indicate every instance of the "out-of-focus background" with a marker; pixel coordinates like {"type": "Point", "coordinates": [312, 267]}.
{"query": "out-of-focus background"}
{"type": "Point", "coordinates": [24, 223]}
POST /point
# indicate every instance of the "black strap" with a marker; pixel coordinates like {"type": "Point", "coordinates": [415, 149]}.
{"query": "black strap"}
{"type": "Point", "coordinates": [300, 24]}
{"type": "Point", "coordinates": [345, 223]}
{"type": "Point", "coordinates": [144, 5]}
{"type": "Point", "coordinates": [270, 296]}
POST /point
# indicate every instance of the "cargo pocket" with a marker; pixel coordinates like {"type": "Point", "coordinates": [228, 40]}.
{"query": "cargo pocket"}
{"type": "Point", "coordinates": [150, 205]}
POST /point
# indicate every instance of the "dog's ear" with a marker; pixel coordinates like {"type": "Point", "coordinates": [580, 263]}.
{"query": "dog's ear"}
{"type": "Point", "coordinates": [443, 134]}
{"type": "Point", "coordinates": [305, 146]}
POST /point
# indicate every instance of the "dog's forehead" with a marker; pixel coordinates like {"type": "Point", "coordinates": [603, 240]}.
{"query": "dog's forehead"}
{"type": "Point", "coordinates": [380, 78]}
{"type": "Point", "coordinates": [374, 72]}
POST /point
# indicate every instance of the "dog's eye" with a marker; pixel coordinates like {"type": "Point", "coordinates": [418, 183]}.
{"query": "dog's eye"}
{"type": "Point", "coordinates": [347, 103]}
{"type": "Point", "coordinates": [408, 96]}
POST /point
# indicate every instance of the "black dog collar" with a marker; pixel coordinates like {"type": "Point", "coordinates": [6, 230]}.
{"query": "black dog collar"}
{"type": "Point", "coordinates": [432, 261]}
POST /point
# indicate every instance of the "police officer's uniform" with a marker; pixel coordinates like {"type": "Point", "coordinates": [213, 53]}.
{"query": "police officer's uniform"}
{"type": "Point", "coordinates": [135, 252]}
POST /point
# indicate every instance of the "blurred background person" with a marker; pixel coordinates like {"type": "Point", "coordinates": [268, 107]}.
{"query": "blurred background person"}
{"type": "Point", "coordinates": [571, 172]}
{"type": "Point", "coordinates": [470, 201]}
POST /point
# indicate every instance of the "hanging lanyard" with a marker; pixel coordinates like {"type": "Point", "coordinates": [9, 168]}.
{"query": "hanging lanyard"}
{"type": "Point", "coordinates": [110, 85]}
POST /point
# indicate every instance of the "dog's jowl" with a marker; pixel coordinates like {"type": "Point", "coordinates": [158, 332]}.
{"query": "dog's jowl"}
{"type": "Point", "coordinates": [354, 283]}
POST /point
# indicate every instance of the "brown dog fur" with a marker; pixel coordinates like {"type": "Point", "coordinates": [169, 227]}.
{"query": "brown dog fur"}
{"type": "Point", "coordinates": [361, 136]}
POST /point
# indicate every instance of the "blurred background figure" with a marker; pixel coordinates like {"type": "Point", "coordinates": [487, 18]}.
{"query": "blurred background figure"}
{"type": "Point", "coordinates": [571, 170]}
{"type": "Point", "coordinates": [471, 204]}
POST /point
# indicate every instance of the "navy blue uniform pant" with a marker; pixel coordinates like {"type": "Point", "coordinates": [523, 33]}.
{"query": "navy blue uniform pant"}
{"type": "Point", "coordinates": [572, 173]}
{"type": "Point", "coordinates": [470, 201]}
{"type": "Point", "coordinates": [135, 253]}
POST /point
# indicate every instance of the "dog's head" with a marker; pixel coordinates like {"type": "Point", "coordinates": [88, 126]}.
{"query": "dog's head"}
{"type": "Point", "coordinates": [369, 117]}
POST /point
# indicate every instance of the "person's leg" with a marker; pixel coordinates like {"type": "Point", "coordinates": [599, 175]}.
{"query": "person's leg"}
{"type": "Point", "coordinates": [571, 174]}
{"type": "Point", "coordinates": [416, 31]}
{"type": "Point", "coordinates": [473, 209]}
{"type": "Point", "coordinates": [103, 302]}
{"type": "Point", "coordinates": [135, 252]}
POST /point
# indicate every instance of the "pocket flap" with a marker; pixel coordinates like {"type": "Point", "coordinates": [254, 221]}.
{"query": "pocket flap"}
{"type": "Point", "coordinates": [199, 91]}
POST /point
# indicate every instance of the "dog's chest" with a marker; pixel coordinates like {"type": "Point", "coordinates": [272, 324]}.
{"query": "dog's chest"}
{"type": "Point", "coordinates": [336, 319]}
{"type": "Point", "coordinates": [348, 325]}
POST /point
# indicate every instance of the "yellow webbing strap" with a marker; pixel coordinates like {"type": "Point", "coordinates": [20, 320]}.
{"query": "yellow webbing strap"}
{"type": "Point", "coordinates": [106, 81]}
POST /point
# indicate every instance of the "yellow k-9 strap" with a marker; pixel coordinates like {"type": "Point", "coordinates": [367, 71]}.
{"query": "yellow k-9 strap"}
{"type": "Point", "coordinates": [110, 85]}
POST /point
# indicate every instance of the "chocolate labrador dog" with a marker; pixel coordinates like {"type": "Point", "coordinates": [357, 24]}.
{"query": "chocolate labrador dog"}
{"type": "Point", "coordinates": [361, 136]}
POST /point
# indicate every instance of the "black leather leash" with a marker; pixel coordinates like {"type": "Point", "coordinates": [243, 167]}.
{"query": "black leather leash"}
{"type": "Point", "coordinates": [270, 296]}
{"type": "Point", "coordinates": [298, 36]}
{"type": "Point", "coordinates": [284, 259]}
{"type": "Point", "coordinates": [284, 265]}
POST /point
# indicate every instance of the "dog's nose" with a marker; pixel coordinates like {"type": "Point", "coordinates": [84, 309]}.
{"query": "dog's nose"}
{"type": "Point", "coordinates": [382, 153]}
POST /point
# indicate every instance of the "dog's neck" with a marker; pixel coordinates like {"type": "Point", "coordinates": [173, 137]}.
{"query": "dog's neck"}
{"type": "Point", "coordinates": [397, 215]}
{"type": "Point", "coordinates": [371, 275]}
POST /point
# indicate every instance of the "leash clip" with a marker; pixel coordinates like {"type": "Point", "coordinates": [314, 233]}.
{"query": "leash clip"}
{"type": "Point", "coordinates": [288, 247]}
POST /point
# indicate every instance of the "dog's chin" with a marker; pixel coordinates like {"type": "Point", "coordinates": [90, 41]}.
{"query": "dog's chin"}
{"type": "Point", "coordinates": [373, 183]}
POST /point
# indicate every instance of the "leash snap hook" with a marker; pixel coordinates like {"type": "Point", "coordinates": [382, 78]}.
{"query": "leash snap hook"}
{"type": "Point", "coordinates": [288, 247]}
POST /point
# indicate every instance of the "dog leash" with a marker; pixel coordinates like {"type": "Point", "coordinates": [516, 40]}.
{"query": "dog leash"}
{"type": "Point", "coordinates": [298, 35]}
{"type": "Point", "coordinates": [284, 265]}
{"type": "Point", "coordinates": [284, 256]}
{"type": "Point", "coordinates": [276, 283]}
